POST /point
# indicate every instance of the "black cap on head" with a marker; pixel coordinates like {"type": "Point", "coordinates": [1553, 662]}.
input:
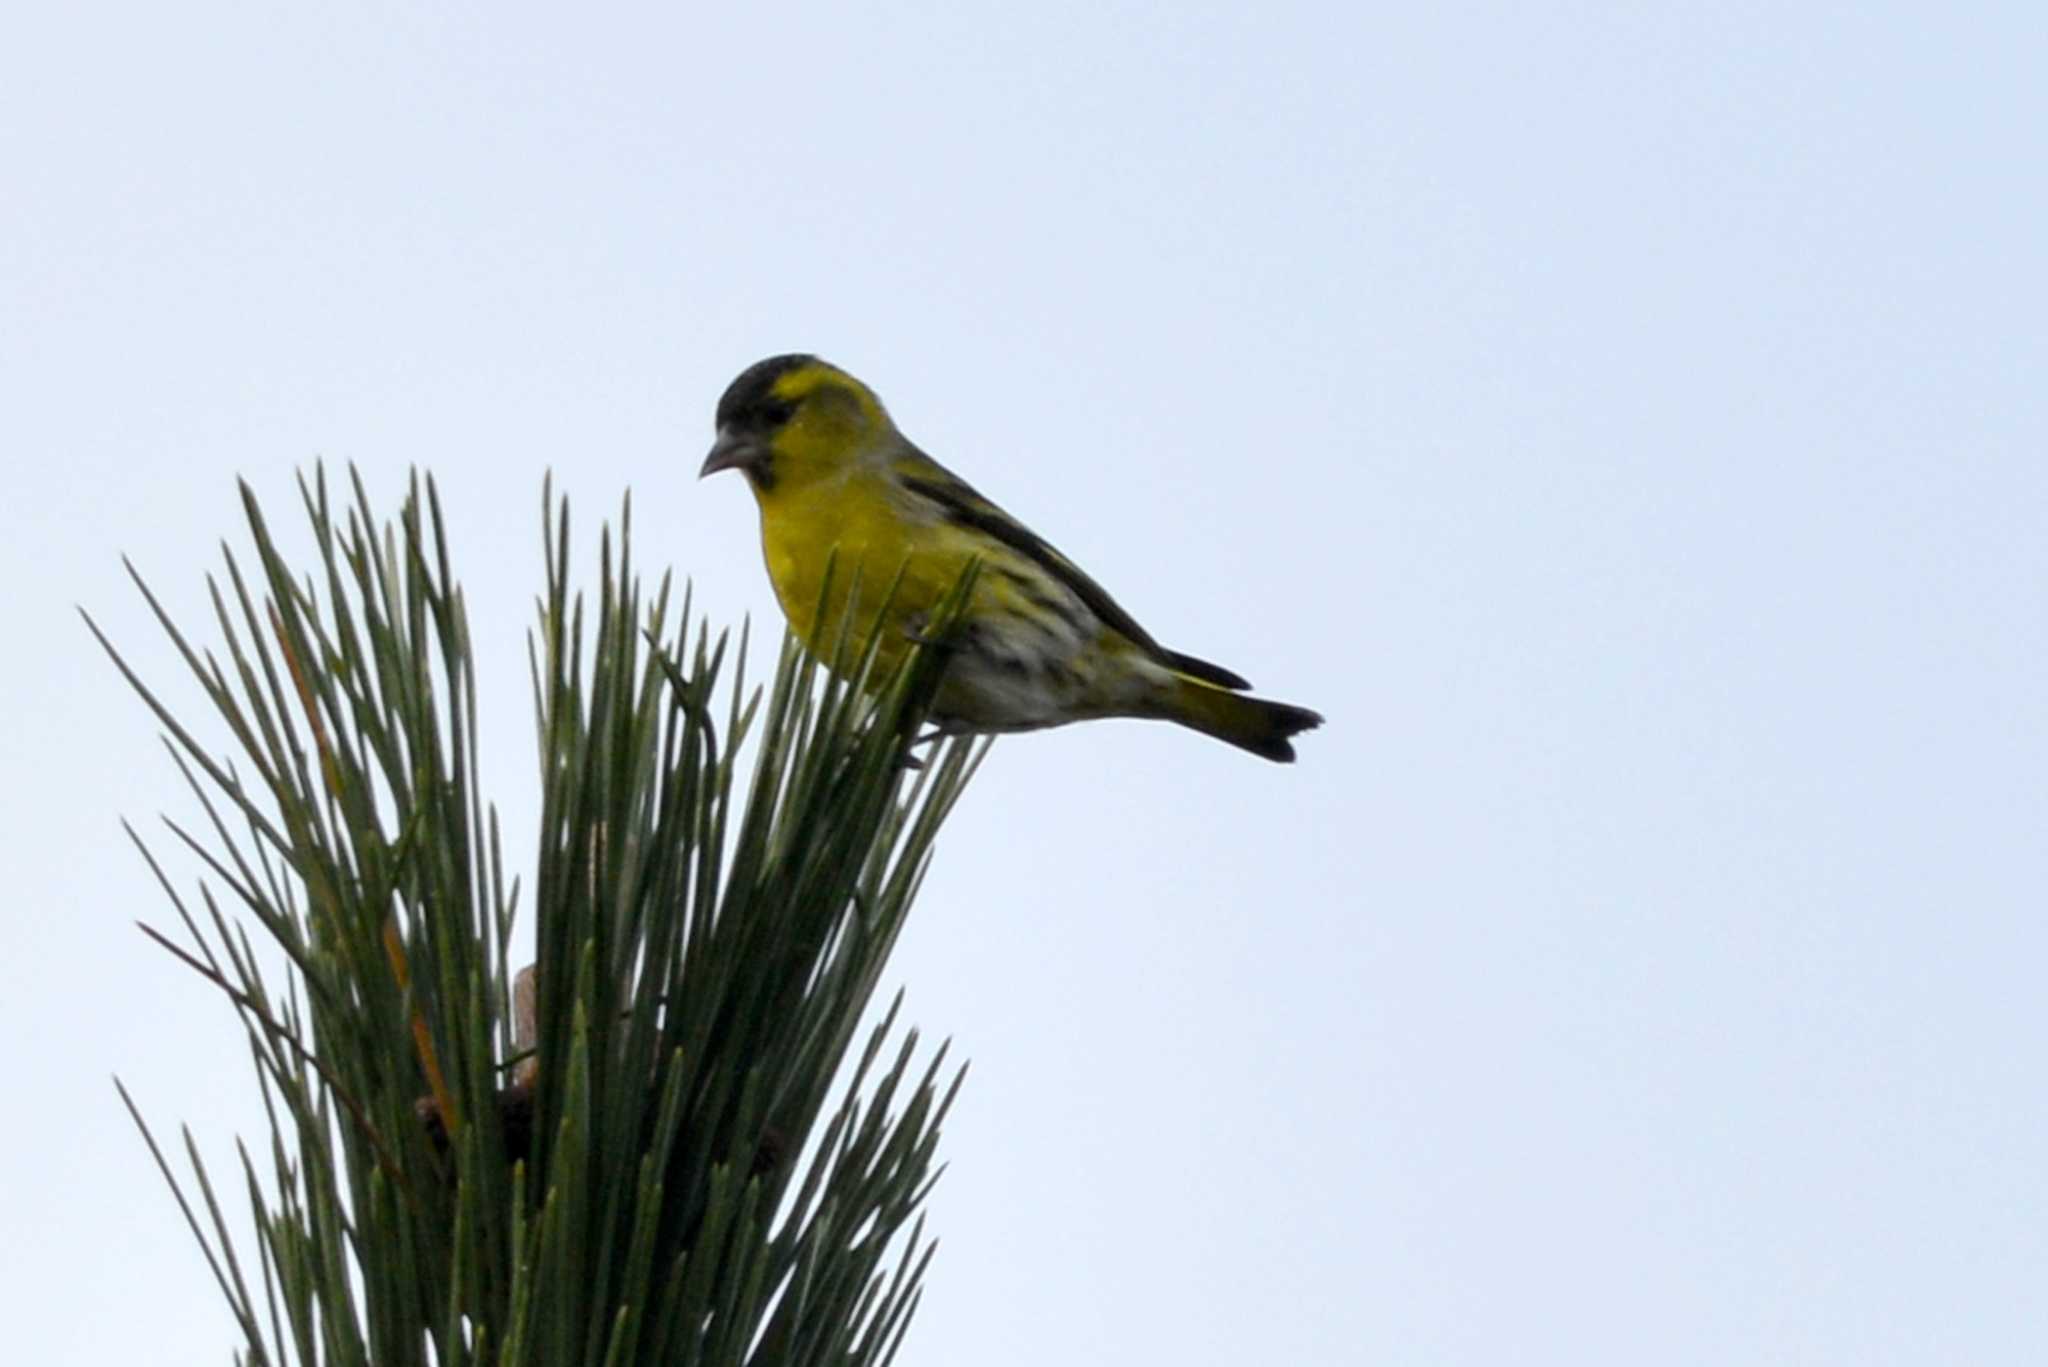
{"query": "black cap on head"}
{"type": "Point", "coordinates": [749, 402]}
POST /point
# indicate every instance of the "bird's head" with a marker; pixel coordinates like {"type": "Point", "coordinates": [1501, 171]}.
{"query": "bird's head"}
{"type": "Point", "coordinates": [790, 421]}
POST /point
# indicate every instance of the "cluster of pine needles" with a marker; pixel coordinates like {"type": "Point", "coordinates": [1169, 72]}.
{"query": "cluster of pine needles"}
{"type": "Point", "coordinates": [665, 1141]}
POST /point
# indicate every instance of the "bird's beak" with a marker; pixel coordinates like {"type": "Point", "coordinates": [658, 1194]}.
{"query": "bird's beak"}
{"type": "Point", "coordinates": [733, 452]}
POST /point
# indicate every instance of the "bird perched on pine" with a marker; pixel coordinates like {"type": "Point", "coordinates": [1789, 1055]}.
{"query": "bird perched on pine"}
{"type": "Point", "coordinates": [1037, 644]}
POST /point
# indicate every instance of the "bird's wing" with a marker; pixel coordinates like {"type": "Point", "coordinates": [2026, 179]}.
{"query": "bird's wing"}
{"type": "Point", "coordinates": [958, 503]}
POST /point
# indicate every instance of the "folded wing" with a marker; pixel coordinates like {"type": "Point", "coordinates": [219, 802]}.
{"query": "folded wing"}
{"type": "Point", "coordinates": [958, 503]}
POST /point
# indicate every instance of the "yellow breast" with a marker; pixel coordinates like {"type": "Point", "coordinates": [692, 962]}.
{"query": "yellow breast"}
{"type": "Point", "coordinates": [852, 526]}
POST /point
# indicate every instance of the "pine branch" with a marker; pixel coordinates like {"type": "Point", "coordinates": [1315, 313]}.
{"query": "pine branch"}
{"type": "Point", "coordinates": [608, 1171]}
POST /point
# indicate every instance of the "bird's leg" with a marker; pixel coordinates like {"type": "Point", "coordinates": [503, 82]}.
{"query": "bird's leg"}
{"type": "Point", "coordinates": [932, 738]}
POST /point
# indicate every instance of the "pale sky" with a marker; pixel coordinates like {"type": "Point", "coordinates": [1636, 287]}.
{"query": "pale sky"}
{"type": "Point", "coordinates": [1625, 423]}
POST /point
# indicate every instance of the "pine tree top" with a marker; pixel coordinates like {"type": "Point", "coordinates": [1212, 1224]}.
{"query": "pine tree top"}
{"type": "Point", "coordinates": [651, 1149]}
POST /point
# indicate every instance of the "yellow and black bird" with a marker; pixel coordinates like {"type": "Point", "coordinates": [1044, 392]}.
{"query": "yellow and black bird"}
{"type": "Point", "coordinates": [1038, 644]}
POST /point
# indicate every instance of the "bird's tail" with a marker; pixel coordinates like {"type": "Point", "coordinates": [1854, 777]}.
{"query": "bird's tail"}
{"type": "Point", "coordinates": [1255, 724]}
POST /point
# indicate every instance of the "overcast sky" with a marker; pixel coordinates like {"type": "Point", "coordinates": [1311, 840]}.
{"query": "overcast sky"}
{"type": "Point", "coordinates": [1625, 423]}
